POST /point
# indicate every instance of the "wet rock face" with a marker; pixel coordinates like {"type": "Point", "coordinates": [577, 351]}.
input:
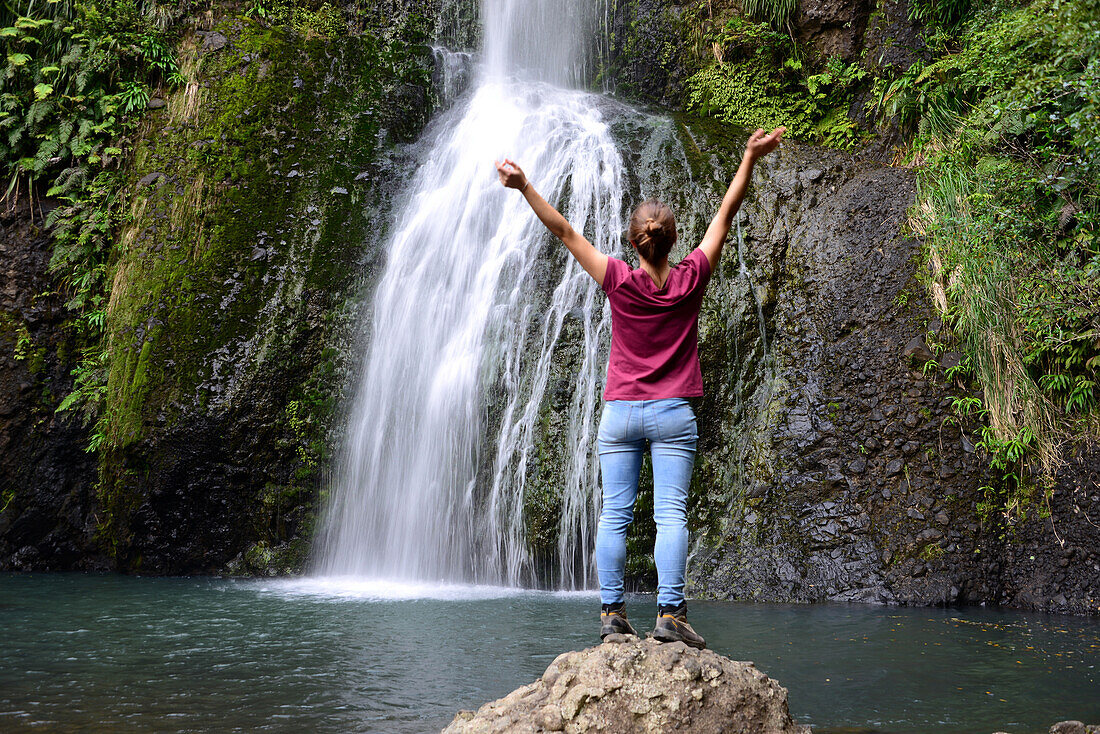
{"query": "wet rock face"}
{"type": "Point", "coordinates": [639, 686]}
{"type": "Point", "coordinates": [840, 442]}
{"type": "Point", "coordinates": [891, 40]}
{"type": "Point", "coordinates": [46, 478]}
{"type": "Point", "coordinates": [1053, 563]}
{"type": "Point", "coordinates": [244, 276]}
{"type": "Point", "coordinates": [832, 27]}
{"type": "Point", "coordinates": [831, 466]}
{"type": "Point", "coordinates": [1073, 727]}
{"type": "Point", "coordinates": [645, 54]}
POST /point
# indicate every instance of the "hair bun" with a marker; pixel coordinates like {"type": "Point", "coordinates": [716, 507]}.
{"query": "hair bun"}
{"type": "Point", "coordinates": [652, 230]}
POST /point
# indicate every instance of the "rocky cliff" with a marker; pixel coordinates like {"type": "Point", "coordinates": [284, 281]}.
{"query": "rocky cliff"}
{"type": "Point", "coordinates": [47, 497]}
{"type": "Point", "coordinates": [831, 465]}
{"type": "Point", "coordinates": [259, 194]}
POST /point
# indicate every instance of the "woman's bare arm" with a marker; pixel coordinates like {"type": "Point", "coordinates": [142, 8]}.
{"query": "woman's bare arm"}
{"type": "Point", "coordinates": [592, 260]}
{"type": "Point", "coordinates": [759, 145]}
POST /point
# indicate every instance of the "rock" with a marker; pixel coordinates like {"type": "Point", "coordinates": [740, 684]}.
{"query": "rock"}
{"type": "Point", "coordinates": [894, 467]}
{"type": "Point", "coordinates": [156, 103]}
{"type": "Point", "coordinates": [149, 179]}
{"type": "Point", "coordinates": [214, 41]}
{"type": "Point", "coordinates": [917, 350]}
{"type": "Point", "coordinates": [1068, 727]}
{"type": "Point", "coordinates": [811, 174]}
{"type": "Point", "coordinates": [639, 686]}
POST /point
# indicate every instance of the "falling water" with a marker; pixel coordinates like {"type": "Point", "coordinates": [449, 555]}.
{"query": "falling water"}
{"type": "Point", "coordinates": [465, 321]}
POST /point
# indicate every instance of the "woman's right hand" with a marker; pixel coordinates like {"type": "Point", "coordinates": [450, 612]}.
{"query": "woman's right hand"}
{"type": "Point", "coordinates": [511, 175]}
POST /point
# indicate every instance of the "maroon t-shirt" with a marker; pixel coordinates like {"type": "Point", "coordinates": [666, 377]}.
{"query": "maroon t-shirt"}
{"type": "Point", "coordinates": [655, 332]}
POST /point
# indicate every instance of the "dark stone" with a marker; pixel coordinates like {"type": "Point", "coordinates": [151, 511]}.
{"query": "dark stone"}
{"type": "Point", "coordinates": [157, 103]}
{"type": "Point", "coordinates": [213, 41]}
{"type": "Point", "coordinates": [832, 27]}
{"type": "Point", "coordinates": [917, 351]}
{"type": "Point", "coordinates": [892, 39]}
{"type": "Point", "coordinates": [1068, 727]}
{"type": "Point", "coordinates": [151, 178]}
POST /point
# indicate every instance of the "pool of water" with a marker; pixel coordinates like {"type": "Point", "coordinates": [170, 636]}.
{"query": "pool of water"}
{"type": "Point", "coordinates": [112, 653]}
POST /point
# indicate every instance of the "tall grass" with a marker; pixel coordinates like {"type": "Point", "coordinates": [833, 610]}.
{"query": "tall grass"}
{"type": "Point", "coordinates": [972, 280]}
{"type": "Point", "coordinates": [776, 13]}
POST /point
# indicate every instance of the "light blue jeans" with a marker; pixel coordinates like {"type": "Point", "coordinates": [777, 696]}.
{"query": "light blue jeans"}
{"type": "Point", "coordinates": [625, 427]}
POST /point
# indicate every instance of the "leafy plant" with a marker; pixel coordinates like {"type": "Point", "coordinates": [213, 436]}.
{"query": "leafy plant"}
{"type": "Point", "coordinates": [74, 71]}
{"type": "Point", "coordinates": [77, 75]}
{"type": "Point", "coordinates": [761, 79]}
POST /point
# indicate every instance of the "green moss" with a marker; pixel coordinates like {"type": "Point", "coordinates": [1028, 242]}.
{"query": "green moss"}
{"type": "Point", "coordinates": [931, 552]}
{"type": "Point", "coordinates": [235, 270]}
{"type": "Point", "coordinates": [641, 571]}
{"type": "Point", "coordinates": [542, 492]}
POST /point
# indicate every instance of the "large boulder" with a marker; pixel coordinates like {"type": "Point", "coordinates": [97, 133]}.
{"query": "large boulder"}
{"type": "Point", "coordinates": [639, 686]}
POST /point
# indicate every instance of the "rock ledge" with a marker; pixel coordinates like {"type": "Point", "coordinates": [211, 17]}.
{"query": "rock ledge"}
{"type": "Point", "coordinates": [636, 685]}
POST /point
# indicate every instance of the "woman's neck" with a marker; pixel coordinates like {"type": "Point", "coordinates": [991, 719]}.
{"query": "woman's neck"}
{"type": "Point", "coordinates": [658, 273]}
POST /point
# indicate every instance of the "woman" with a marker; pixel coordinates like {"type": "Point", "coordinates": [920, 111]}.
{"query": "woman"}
{"type": "Point", "coordinates": [652, 369]}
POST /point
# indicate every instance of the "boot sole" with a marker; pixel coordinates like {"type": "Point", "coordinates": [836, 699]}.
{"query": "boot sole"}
{"type": "Point", "coordinates": [664, 637]}
{"type": "Point", "coordinates": [605, 631]}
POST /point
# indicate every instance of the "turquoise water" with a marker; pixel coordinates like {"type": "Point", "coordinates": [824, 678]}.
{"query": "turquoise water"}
{"type": "Point", "coordinates": [112, 653]}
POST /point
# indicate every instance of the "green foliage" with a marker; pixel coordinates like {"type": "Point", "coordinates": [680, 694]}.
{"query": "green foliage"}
{"type": "Point", "coordinates": [305, 17]}
{"type": "Point", "coordinates": [1011, 498]}
{"type": "Point", "coordinates": [776, 13]}
{"type": "Point", "coordinates": [963, 370]}
{"type": "Point", "coordinates": [82, 229]}
{"type": "Point", "coordinates": [938, 13]}
{"type": "Point", "coordinates": [89, 390]}
{"type": "Point", "coordinates": [1008, 203]}
{"type": "Point", "coordinates": [926, 99]}
{"type": "Point", "coordinates": [77, 76]}
{"type": "Point", "coordinates": [931, 552]}
{"type": "Point", "coordinates": [75, 71]}
{"type": "Point", "coordinates": [761, 80]}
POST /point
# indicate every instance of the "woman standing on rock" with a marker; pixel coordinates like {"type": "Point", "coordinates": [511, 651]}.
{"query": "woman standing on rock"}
{"type": "Point", "coordinates": [652, 370]}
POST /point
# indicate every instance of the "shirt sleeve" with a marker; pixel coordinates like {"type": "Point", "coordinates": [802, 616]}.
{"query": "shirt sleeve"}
{"type": "Point", "coordinates": [701, 265]}
{"type": "Point", "coordinates": [616, 273]}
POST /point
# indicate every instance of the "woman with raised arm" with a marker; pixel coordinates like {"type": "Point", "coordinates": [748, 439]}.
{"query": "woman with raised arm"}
{"type": "Point", "coordinates": [652, 370]}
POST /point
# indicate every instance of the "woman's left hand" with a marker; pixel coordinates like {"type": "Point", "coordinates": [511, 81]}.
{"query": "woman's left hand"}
{"type": "Point", "coordinates": [760, 144]}
{"type": "Point", "coordinates": [511, 175]}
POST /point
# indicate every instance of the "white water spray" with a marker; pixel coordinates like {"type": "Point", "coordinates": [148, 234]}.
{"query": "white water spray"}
{"type": "Point", "coordinates": [465, 321]}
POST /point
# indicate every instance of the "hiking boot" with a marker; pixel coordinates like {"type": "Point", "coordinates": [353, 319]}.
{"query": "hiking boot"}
{"type": "Point", "coordinates": [613, 621]}
{"type": "Point", "coordinates": [672, 626]}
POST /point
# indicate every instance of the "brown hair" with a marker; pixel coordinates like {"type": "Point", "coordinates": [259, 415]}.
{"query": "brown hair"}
{"type": "Point", "coordinates": [653, 230]}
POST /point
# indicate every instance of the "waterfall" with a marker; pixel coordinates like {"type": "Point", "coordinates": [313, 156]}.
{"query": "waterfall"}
{"type": "Point", "coordinates": [466, 316]}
